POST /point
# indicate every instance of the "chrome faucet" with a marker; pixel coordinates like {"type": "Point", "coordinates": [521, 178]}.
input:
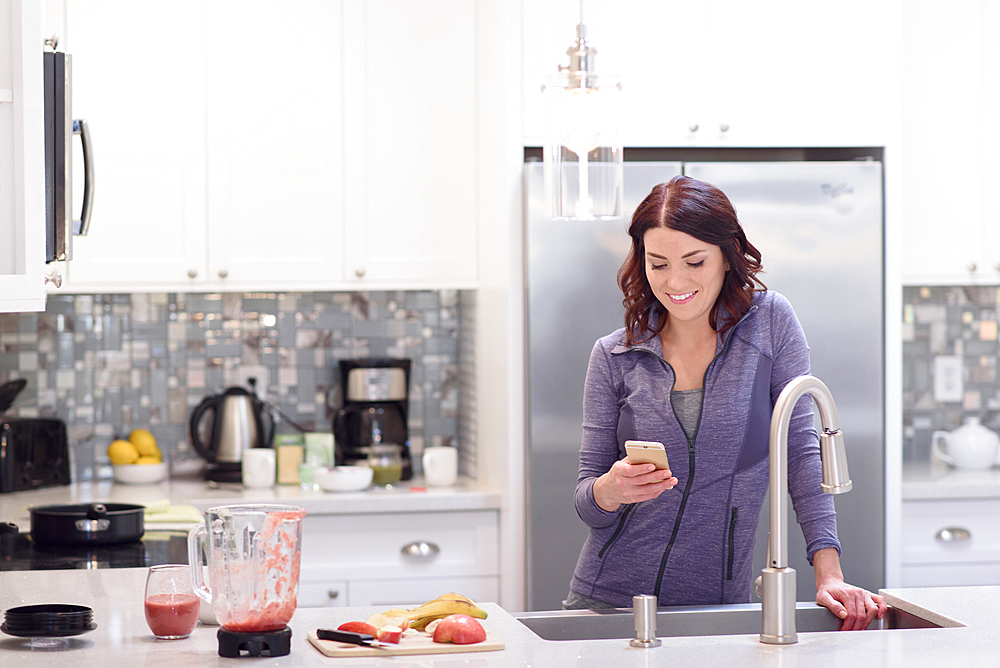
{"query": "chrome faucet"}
{"type": "Point", "coordinates": [776, 585]}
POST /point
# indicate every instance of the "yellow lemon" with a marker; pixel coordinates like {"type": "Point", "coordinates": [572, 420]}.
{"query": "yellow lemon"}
{"type": "Point", "coordinates": [122, 452]}
{"type": "Point", "coordinates": [147, 459]}
{"type": "Point", "coordinates": [144, 441]}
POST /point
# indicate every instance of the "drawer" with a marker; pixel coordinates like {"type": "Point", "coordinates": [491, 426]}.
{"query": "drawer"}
{"type": "Point", "coordinates": [943, 532]}
{"type": "Point", "coordinates": [400, 546]}
{"type": "Point", "coordinates": [951, 575]}
{"type": "Point", "coordinates": [324, 594]}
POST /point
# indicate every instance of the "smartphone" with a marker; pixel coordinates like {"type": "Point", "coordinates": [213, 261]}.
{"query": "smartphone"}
{"type": "Point", "coordinates": [647, 452]}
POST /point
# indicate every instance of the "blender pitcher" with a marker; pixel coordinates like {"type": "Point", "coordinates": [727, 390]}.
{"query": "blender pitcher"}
{"type": "Point", "coordinates": [253, 565]}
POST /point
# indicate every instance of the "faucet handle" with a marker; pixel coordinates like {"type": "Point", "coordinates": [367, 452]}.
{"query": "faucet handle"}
{"type": "Point", "coordinates": [758, 587]}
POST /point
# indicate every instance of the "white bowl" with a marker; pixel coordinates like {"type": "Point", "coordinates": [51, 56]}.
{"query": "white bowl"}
{"type": "Point", "coordinates": [140, 474]}
{"type": "Point", "coordinates": [344, 478]}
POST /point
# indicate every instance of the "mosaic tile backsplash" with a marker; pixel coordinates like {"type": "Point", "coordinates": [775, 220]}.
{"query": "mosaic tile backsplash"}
{"type": "Point", "coordinates": [958, 322]}
{"type": "Point", "coordinates": [107, 364]}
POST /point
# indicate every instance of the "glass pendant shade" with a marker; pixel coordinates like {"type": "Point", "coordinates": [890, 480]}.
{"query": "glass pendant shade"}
{"type": "Point", "coordinates": [583, 153]}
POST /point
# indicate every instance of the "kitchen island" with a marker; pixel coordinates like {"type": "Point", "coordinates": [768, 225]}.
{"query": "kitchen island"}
{"type": "Point", "coordinates": [123, 639]}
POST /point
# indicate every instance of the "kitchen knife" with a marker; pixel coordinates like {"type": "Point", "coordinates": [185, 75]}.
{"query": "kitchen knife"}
{"type": "Point", "coordinates": [363, 639]}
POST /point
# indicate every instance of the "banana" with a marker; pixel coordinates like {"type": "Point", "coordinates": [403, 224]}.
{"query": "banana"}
{"type": "Point", "coordinates": [445, 607]}
{"type": "Point", "coordinates": [420, 623]}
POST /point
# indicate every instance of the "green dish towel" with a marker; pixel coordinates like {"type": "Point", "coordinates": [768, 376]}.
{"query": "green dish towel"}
{"type": "Point", "coordinates": [163, 512]}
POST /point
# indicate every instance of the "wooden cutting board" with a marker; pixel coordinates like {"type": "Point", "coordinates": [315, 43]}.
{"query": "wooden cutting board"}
{"type": "Point", "coordinates": [418, 644]}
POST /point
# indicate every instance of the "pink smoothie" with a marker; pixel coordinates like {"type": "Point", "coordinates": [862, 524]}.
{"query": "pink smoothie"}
{"type": "Point", "coordinates": [171, 615]}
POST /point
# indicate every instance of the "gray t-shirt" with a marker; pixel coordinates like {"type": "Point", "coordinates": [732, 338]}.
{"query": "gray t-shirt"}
{"type": "Point", "coordinates": [687, 408]}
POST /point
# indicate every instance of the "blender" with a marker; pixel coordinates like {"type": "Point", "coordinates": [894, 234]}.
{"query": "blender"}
{"type": "Point", "coordinates": [252, 553]}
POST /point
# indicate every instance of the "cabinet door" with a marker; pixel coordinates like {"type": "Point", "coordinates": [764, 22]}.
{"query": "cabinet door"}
{"type": "Point", "coordinates": [410, 128]}
{"type": "Point", "coordinates": [22, 158]}
{"type": "Point", "coordinates": [323, 594]}
{"type": "Point", "coordinates": [275, 158]}
{"type": "Point", "coordinates": [721, 73]}
{"type": "Point", "coordinates": [944, 154]}
{"type": "Point", "coordinates": [139, 80]}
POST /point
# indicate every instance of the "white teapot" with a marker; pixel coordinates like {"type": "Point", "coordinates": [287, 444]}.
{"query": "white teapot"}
{"type": "Point", "coordinates": [971, 446]}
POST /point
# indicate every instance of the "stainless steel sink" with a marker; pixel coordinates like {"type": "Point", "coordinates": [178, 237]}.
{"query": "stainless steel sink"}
{"type": "Point", "coordinates": [717, 620]}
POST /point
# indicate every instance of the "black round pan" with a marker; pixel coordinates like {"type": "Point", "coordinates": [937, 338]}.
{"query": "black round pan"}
{"type": "Point", "coordinates": [87, 523]}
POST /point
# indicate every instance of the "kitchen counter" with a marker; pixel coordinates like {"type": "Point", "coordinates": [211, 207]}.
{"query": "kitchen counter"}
{"type": "Point", "coordinates": [123, 639]}
{"type": "Point", "coordinates": [410, 496]}
{"type": "Point", "coordinates": [937, 480]}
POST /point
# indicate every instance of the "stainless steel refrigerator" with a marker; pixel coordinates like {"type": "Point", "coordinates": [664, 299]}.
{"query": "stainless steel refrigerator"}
{"type": "Point", "coordinates": [819, 227]}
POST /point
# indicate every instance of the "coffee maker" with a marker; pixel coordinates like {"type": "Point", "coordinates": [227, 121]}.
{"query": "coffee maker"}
{"type": "Point", "coordinates": [375, 405]}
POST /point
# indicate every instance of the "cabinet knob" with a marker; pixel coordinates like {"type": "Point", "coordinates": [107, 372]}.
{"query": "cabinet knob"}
{"type": "Point", "coordinates": [972, 266]}
{"type": "Point", "coordinates": [223, 273]}
{"type": "Point", "coordinates": [693, 127]}
{"type": "Point", "coordinates": [359, 272]}
{"type": "Point", "coordinates": [192, 273]}
{"type": "Point", "coordinates": [724, 127]}
{"type": "Point", "coordinates": [419, 549]}
{"type": "Point", "coordinates": [55, 278]}
{"type": "Point", "coordinates": [333, 593]}
{"type": "Point", "coordinates": [953, 535]}
{"type": "Point", "coordinates": [997, 268]}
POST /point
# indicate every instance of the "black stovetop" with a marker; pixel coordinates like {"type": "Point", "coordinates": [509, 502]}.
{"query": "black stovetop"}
{"type": "Point", "coordinates": [19, 553]}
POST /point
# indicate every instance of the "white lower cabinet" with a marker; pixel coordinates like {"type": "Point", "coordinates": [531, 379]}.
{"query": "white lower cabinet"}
{"type": "Point", "coordinates": [399, 559]}
{"type": "Point", "coordinates": [951, 542]}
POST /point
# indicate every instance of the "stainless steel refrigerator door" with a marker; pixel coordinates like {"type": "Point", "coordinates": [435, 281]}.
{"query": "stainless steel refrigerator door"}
{"type": "Point", "coordinates": [573, 299]}
{"type": "Point", "coordinates": [819, 228]}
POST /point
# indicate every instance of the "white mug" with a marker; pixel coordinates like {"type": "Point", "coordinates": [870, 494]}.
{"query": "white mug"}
{"type": "Point", "coordinates": [440, 465]}
{"type": "Point", "coordinates": [258, 467]}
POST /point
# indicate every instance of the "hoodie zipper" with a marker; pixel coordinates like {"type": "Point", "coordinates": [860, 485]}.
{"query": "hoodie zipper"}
{"type": "Point", "coordinates": [618, 530]}
{"type": "Point", "coordinates": [732, 542]}
{"type": "Point", "coordinates": [690, 480]}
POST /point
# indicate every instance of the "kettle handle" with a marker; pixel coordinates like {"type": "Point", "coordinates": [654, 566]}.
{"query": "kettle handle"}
{"type": "Point", "coordinates": [207, 404]}
{"type": "Point", "coordinates": [266, 437]}
{"type": "Point", "coordinates": [936, 449]}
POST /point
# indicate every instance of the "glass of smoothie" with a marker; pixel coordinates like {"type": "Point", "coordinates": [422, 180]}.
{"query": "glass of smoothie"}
{"type": "Point", "coordinates": [171, 605]}
{"type": "Point", "coordinates": [386, 460]}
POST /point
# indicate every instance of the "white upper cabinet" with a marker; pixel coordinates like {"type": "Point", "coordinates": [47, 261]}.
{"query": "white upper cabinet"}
{"type": "Point", "coordinates": [411, 141]}
{"type": "Point", "coordinates": [951, 86]}
{"type": "Point", "coordinates": [22, 158]}
{"type": "Point", "coordinates": [725, 73]}
{"type": "Point", "coordinates": [310, 144]}
{"type": "Point", "coordinates": [139, 81]}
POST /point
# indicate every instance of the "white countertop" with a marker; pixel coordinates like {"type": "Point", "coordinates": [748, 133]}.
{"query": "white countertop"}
{"type": "Point", "coordinates": [937, 480]}
{"type": "Point", "coordinates": [410, 496]}
{"type": "Point", "coordinates": [122, 638]}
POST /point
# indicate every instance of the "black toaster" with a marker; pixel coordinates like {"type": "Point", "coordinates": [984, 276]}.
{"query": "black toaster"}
{"type": "Point", "coordinates": [34, 453]}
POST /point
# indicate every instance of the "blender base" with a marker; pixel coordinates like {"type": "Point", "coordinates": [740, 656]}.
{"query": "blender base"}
{"type": "Point", "coordinates": [232, 644]}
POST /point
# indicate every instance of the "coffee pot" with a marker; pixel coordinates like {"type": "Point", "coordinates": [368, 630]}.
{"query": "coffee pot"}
{"type": "Point", "coordinates": [971, 446]}
{"type": "Point", "coordinates": [237, 424]}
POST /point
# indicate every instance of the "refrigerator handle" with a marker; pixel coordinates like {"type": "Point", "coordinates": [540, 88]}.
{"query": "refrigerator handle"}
{"type": "Point", "coordinates": [81, 226]}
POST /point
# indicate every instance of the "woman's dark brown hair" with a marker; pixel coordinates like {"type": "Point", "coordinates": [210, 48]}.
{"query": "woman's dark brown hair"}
{"type": "Point", "coordinates": [704, 212]}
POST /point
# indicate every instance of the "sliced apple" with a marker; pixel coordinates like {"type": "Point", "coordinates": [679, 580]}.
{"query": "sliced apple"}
{"type": "Point", "coordinates": [358, 627]}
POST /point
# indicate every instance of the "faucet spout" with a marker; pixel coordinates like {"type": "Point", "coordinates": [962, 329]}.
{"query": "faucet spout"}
{"type": "Point", "coordinates": [777, 585]}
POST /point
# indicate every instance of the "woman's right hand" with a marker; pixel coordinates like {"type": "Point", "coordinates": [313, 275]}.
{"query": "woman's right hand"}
{"type": "Point", "coordinates": [631, 483]}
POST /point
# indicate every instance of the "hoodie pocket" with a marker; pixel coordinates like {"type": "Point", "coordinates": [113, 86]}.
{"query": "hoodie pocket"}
{"type": "Point", "coordinates": [618, 530]}
{"type": "Point", "coordinates": [733, 518]}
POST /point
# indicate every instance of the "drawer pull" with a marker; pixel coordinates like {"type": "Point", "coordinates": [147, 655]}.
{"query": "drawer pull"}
{"type": "Point", "coordinates": [333, 593]}
{"type": "Point", "coordinates": [419, 549]}
{"type": "Point", "coordinates": [953, 534]}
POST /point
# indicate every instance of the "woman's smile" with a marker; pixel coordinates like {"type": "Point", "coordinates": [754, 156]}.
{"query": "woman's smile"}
{"type": "Point", "coordinates": [681, 298]}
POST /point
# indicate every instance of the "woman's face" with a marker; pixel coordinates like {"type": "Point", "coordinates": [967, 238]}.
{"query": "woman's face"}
{"type": "Point", "coordinates": [684, 273]}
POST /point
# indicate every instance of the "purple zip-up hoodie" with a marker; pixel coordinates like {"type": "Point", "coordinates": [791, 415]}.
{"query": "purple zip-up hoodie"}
{"type": "Point", "coordinates": [693, 545]}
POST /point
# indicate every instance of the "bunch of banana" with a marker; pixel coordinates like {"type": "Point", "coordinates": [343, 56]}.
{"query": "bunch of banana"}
{"type": "Point", "coordinates": [439, 608]}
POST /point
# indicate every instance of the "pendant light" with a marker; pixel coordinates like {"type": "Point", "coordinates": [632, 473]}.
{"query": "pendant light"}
{"type": "Point", "coordinates": [582, 154]}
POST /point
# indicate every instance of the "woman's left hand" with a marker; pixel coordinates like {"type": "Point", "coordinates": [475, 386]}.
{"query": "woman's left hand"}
{"type": "Point", "coordinates": [855, 606]}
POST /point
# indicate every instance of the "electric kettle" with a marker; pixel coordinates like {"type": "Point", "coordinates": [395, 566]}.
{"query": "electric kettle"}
{"type": "Point", "coordinates": [237, 424]}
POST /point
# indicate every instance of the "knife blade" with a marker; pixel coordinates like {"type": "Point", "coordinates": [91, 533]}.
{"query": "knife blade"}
{"type": "Point", "coordinates": [363, 639]}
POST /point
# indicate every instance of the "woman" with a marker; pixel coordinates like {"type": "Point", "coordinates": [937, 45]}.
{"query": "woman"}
{"type": "Point", "coordinates": [705, 352]}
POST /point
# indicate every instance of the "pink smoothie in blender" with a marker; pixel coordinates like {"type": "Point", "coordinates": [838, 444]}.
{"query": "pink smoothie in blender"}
{"type": "Point", "coordinates": [253, 566]}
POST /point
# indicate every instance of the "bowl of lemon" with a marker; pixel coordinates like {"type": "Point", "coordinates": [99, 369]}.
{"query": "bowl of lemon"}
{"type": "Point", "coordinates": [138, 460]}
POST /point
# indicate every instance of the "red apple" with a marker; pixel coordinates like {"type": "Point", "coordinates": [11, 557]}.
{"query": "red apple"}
{"type": "Point", "coordinates": [358, 627]}
{"type": "Point", "coordinates": [459, 629]}
{"type": "Point", "coordinates": [389, 634]}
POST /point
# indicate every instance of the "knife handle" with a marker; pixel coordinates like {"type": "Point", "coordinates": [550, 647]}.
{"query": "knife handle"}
{"type": "Point", "coordinates": [345, 636]}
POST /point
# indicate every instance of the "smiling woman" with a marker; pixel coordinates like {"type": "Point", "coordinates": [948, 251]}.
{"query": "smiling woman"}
{"type": "Point", "coordinates": [704, 352]}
